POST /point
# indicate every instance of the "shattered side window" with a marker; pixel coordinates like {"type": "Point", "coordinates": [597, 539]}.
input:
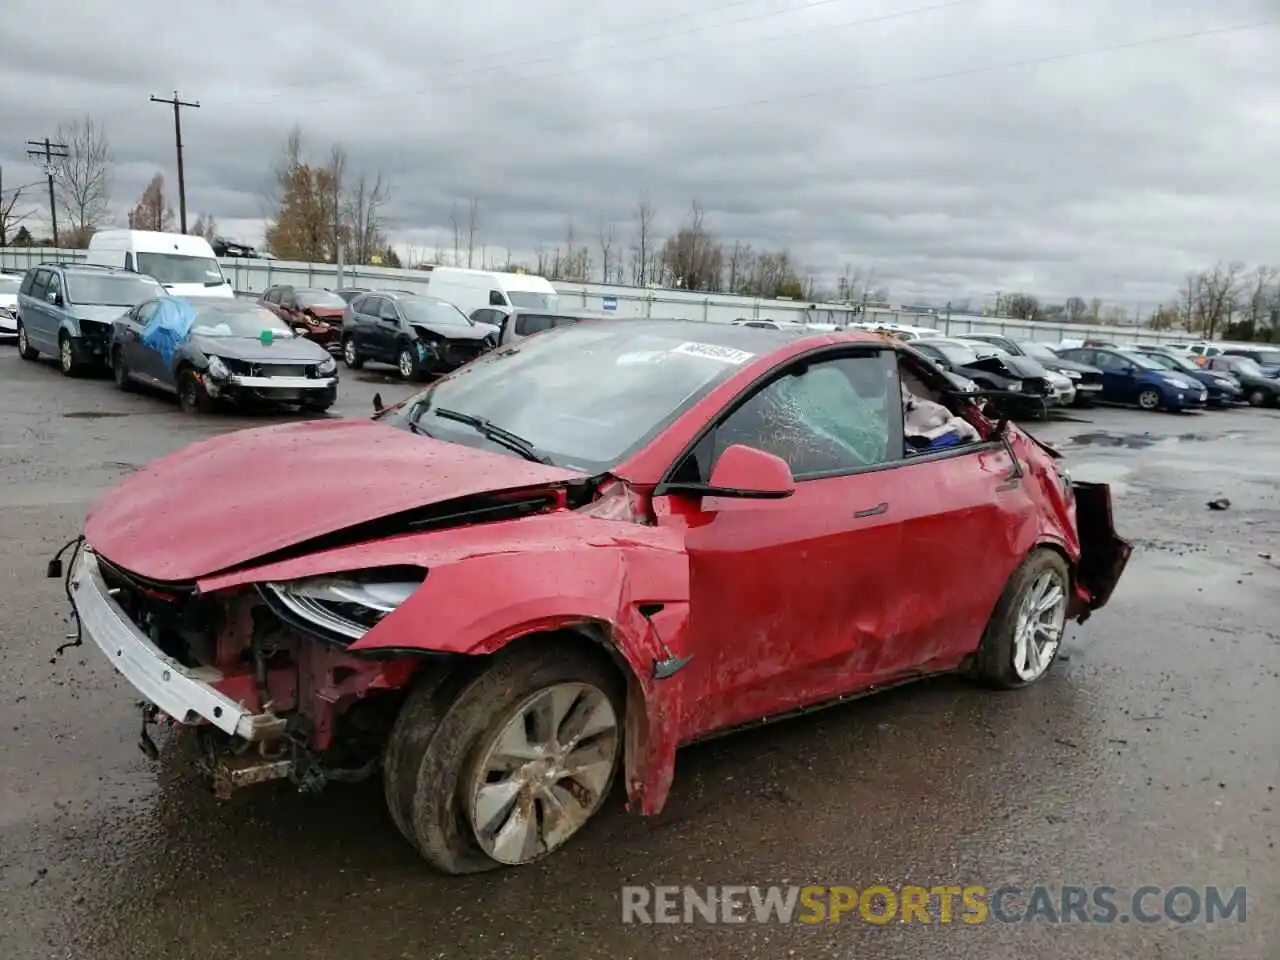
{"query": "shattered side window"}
{"type": "Point", "coordinates": [832, 417]}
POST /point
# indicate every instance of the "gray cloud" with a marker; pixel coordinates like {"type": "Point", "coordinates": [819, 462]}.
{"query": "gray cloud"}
{"type": "Point", "coordinates": [906, 144]}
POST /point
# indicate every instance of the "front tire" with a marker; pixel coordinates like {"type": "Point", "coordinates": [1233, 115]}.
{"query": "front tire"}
{"type": "Point", "coordinates": [25, 350]}
{"type": "Point", "coordinates": [1024, 634]}
{"type": "Point", "coordinates": [1149, 399]}
{"type": "Point", "coordinates": [511, 763]}
{"type": "Point", "coordinates": [1259, 397]}
{"type": "Point", "coordinates": [68, 362]}
{"type": "Point", "coordinates": [192, 395]}
{"type": "Point", "coordinates": [351, 354]}
{"type": "Point", "coordinates": [120, 370]}
{"type": "Point", "coordinates": [407, 363]}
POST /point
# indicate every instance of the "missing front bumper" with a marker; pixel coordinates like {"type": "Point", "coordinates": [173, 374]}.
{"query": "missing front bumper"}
{"type": "Point", "coordinates": [1103, 553]}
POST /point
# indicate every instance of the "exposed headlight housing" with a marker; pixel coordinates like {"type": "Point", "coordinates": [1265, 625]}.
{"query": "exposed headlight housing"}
{"type": "Point", "coordinates": [217, 369]}
{"type": "Point", "coordinates": [327, 367]}
{"type": "Point", "coordinates": [1071, 374]}
{"type": "Point", "coordinates": [1015, 388]}
{"type": "Point", "coordinates": [346, 606]}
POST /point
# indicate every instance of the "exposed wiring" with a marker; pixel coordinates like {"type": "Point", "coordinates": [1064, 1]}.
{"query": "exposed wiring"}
{"type": "Point", "coordinates": [56, 565]}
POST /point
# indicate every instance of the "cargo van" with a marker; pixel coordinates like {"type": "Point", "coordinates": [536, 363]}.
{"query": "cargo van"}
{"type": "Point", "coordinates": [184, 264]}
{"type": "Point", "coordinates": [469, 290]}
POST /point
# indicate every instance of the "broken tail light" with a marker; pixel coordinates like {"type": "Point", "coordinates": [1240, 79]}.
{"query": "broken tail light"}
{"type": "Point", "coordinates": [615, 500]}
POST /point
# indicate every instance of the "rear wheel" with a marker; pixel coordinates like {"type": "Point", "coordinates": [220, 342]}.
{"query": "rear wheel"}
{"type": "Point", "coordinates": [1149, 399]}
{"type": "Point", "coordinates": [510, 766]}
{"type": "Point", "coordinates": [1024, 635]}
{"type": "Point", "coordinates": [25, 350]}
{"type": "Point", "coordinates": [192, 395]}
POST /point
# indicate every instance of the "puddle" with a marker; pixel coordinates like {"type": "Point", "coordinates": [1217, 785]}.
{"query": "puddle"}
{"type": "Point", "coordinates": [93, 414]}
{"type": "Point", "coordinates": [1141, 441]}
{"type": "Point", "coordinates": [1097, 471]}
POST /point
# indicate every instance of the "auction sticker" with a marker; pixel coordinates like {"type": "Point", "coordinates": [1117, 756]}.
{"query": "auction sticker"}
{"type": "Point", "coordinates": [711, 351]}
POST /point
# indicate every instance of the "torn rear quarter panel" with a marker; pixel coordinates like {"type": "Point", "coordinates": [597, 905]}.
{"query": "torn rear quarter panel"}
{"type": "Point", "coordinates": [490, 584]}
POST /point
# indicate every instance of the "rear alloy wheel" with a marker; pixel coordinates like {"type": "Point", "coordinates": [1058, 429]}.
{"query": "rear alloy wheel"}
{"type": "Point", "coordinates": [407, 363]}
{"type": "Point", "coordinates": [509, 763]}
{"type": "Point", "coordinates": [1258, 397]}
{"type": "Point", "coordinates": [1149, 399]}
{"type": "Point", "coordinates": [1025, 633]}
{"type": "Point", "coordinates": [350, 355]}
{"type": "Point", "coordinates": [192, 395]}
{"type": "Point", "coordinates": [25, 350]}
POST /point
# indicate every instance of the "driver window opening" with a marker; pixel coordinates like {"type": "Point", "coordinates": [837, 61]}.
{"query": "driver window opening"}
{"type": "Point", "coordinates": [931, 421]}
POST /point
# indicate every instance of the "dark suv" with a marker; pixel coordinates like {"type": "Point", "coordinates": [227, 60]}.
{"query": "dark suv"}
{"type": "Point", "coordinates": [420, 336]}
{"type": "Point", "coordinates": [66, 310]}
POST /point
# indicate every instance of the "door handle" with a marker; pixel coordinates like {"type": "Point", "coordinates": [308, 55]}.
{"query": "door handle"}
{"type": "Point", "coordinates": [875, 511]}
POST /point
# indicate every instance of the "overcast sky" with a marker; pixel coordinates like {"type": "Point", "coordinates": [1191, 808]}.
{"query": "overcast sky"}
{"type": "Point", "coordinates": [892, 134]}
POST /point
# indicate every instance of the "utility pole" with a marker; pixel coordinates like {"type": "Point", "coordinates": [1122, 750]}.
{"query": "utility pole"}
{"type": "Point", "coordinates": [177, 105]}
{"type": "Point", "coordinates": [49, 152]}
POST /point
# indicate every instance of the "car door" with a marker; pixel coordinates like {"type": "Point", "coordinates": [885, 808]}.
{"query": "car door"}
{"type": "Point", "coordinates": [142, 359]}
{"type": "Point", "coordinates": [1119, 380]}
{"type": "Point", "coordinates": [34, 316]}
{"type": "Point", "coordinates": [365, 317]}
{"type": "Point", "coordinates": [53, 309]}
{"type": "Point", "coordinates": [388, 330]}
{"type": "Point", "coordinates": [788, 597]}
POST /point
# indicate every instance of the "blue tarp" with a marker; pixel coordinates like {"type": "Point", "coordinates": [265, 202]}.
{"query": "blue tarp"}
{"type": "Point", "coordinates": [168, 327]}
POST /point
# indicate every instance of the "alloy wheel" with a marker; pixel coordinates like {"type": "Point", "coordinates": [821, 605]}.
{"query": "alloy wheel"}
{"type": "Point", "coordinates": [1257, 398]}
{"type": "Point", "coordinates": [23, 346]}
{"type": "Point", "coordinates": [406, 364]}
{"type": "Point", "coordinates": [349, 353]}
{"type": "Point", "coordinates": [65, 356]}
{"type": "Point", "coordinates": [1041, 618]}
{"type": "Point", "coordinates": [544, 773]}
{"type": "Point", "coordinates": [1148, 399]}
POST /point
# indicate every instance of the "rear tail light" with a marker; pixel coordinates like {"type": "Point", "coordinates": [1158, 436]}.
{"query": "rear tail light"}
{"type": "Point", "coordinates": [617, 501]}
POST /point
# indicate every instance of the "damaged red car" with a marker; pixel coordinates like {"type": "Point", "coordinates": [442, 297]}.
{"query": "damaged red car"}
{"type": "Point", "coordinates": [571, 557]}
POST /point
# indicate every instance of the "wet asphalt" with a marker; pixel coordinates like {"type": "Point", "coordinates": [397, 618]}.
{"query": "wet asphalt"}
{"type": "Point", "coordinates": [1150, 756]}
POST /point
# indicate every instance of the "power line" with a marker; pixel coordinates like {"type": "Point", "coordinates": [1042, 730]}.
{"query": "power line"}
{"type": "Point", "coordinates": [177, 105]}
{"type": "Point", "coordinates": [49, 152]}
{"type": "Point", "coordinates": [517, 77]}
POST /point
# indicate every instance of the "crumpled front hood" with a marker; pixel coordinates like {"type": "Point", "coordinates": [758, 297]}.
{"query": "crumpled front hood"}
{"type": "Point", "coordinates": [224, 502]}
{"type": "Point", "coordinates": [101, 314]}
{"type": "Point", "coordinates": [282, 349]}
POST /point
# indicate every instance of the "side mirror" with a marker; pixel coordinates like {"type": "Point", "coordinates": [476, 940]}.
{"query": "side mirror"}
{"type": "Point", "coordinates": [53, 297]}
{"type": "Point", "coordinates": [744, 473]}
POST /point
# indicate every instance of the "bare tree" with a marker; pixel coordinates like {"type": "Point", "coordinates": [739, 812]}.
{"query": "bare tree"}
{"type": "Point", "coordinates": [473, 226]}
{"type": "Point", "coordinates": [1259, 303]}
{"type": "Point", "coordinates": [82, 179]}
{"type": "Point", "coordinates": [10, 214]}
{"type": "Point", "coordinates": [1217, 295]}
{"type": "Point", "coordinates": [152, 211]}
{"type": "Point", "coordinates": [1095, 309]}
{"type": "Point", "coordinates": [205, 226]}
{"type": "Point", "coordinates": [608, 237]}
{"type": "Point", "coordinates": [642, 250]}
{"type": "Point", "coordinates": [1075, 309]}
{"type": "Point", "coordinates": [1022, 306]}
{"type": "Point", "coordinates": [362, 215]}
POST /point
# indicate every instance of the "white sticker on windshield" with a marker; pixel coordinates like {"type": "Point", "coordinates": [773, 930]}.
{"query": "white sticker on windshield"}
{"type": "Point", "coordinates": [713, 352]}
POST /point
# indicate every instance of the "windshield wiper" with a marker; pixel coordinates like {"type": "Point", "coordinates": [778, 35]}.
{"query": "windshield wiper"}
{"type": "Point", "coordinates": [495, 433]}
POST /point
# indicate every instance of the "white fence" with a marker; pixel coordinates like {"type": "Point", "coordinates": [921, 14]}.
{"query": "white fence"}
{"type": "Point", "coordinates": [255, 276]}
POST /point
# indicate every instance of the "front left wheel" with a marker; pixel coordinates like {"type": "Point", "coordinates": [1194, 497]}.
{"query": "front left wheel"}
{"type": "Point", "coordinates": [512, 765]}
{"type": "Point", "coordinates": [1149, 399]}
{"type": "Point", "coordinates": [192, 395]}
{"type": "Point", "coordinates": [1024, 634]}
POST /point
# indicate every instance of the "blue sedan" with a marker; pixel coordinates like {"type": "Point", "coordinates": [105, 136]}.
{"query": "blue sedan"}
{"type": "Point", "coordinates": [1222, 389]}
{"type": "Point", "coordinates": [1134, 378]}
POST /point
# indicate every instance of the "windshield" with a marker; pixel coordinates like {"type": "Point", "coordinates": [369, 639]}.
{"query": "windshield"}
{"type": "Point", "coordinates": [1037, 350]}
{"type": "Point", "coordinates": [121, 290]}
{"type": "Point", "coordinates": [959, 354]}
{"type": "Point", "coordinates": [1270, 358]}
{"type": "Point", "coordinates": [319, 298]}
{"type": "Point", "coordinates": [237, 319]}
{"type": "Point", "coordinates": [1247, 366]}
{"type": "Point", "coordinates": [434, 312]}
{"type": "Point", "coordinates": [179, 268]}
{"type": "Point", "coordinates": [528, 300]}
{"type": "Point", "coordinates": [1171, 362]}
{"type": "Point", "coordinates": [1143, 362]}
{"type": "Point", "coordinates": [586, 395]}
{"type": "Point", "coordinates": [10, 285]}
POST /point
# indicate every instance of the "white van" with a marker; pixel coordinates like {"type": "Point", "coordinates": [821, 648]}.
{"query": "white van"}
{"type": "Point", "coordinates": [469, 290]}
{"type": "Point", "coordinates": [184, 264]}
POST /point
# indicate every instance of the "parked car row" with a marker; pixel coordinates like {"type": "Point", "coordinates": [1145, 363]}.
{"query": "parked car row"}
{"type": "Point", "coordinates": [205, 350]}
